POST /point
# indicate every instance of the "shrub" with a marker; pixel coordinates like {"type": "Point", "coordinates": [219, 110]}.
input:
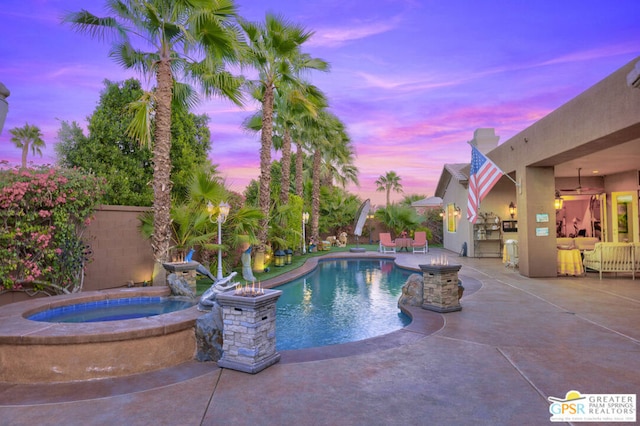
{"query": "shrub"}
{"type": "Point", "coordinates": [43, 213]}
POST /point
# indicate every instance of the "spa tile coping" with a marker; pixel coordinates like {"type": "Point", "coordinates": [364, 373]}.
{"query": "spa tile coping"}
{"type": "Point", "coordinates": [15, 328]}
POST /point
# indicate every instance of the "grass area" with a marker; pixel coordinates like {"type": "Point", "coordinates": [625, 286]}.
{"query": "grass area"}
{"type": "Point", "coordinates": [296, 261]}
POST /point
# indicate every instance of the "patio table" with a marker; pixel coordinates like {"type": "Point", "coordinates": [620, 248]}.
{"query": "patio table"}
{"type": "Point", "coordinates": [403, 243]}
{"type": "Point", "coordinates": [570, 262]}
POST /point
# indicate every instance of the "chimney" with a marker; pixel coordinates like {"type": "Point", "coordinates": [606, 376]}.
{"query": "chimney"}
{"type": "Point", "coordinates": [485, 139]}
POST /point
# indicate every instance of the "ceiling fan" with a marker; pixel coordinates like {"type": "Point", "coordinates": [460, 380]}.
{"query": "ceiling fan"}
{"type": "Point", "coordinates": [582, 190]}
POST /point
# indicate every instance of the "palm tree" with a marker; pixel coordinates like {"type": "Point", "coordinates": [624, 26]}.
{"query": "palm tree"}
{"type": "Point", "coordinates": [183, 36]}
{"type": "Point", "coordinates": [292, 105]}
{"type": "Point", "coordinates": [338, 165]}
{"type": "Point", "coordinates": [397, 218]}
{"type": "Point", "coordinates": [25, 137]}
{"type": "Point", "coordinates": [299, 168]}
{"type": "Point", "coordinates": [388, 182]}
{"type": "Point", "coordinates": [326, 135]}
{"type": "Point", "coordinates": [274, 51]}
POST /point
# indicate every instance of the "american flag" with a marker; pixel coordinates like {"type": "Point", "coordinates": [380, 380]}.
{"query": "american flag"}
{"type": "Point", "coordinates": [483, 176]}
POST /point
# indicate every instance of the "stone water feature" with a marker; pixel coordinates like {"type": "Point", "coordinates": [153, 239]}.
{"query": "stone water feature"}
{"type": "Point", "coordinates": [182, 278]}
{"type": "Point", "coordinates": [209, 327]}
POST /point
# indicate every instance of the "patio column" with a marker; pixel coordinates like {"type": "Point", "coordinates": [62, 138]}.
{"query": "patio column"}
{"type": "Point", "coordinates": [537, 222]}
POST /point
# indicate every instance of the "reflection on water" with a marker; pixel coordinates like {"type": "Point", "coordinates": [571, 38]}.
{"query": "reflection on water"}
{"type": "Point", "coordinates": [341, 301]}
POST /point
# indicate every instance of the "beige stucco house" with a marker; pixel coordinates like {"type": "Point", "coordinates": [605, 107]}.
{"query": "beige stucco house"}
{"type": "Point", "coordinates": [587, 152]}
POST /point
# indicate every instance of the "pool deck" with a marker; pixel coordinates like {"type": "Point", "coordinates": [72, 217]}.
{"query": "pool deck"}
{"type": "Point", "coordinates": [516, 341]}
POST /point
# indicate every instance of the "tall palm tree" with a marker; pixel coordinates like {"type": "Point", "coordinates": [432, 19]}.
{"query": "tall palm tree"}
{"type": "Point", "coordinates": [194, 38]}
{"type": "Point", "coordinates": [292, 104]}
{"type": "Point", "coordinates": [274, 51]}
{"type": "Point", "coordinates": [325, 133]}
{"type": "Point", "coordinates": [299, 168]}
{"type": "Point", "coordinates": [25, 137]}
{"type": "Point", "coordinates": [388, 182]}
{"type": "Point", "coordinates": [338, 166]}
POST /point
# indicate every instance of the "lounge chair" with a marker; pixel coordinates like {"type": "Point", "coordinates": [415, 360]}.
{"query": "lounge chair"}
{"type": "Point", "coordinates": [420, 244]}
{"type": "Point", "coordinates": [386, 245]}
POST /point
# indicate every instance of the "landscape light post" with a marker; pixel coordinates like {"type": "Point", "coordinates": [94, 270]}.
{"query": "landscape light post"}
{"type": "Point", "coordinates": [305, 219]}
{"type": "Point", "coordinates": [370, 217]}
{"type": "Point", "coordinates": [223, 212]}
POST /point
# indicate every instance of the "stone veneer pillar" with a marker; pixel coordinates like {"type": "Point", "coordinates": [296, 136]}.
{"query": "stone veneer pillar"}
{"type": "Point", "coordinates": [249, 331]}
{"type": "Point", "coordinates": [440, 288]}
{"type": "Point", "coordinates": [185, 270]}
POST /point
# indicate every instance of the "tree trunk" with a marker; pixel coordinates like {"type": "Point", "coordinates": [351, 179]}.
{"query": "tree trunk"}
{"type": "Point", "coordinates": [286, 168]}
{"type": "Point", "coordinates": [315, 195]}
{"type": "Point", "coordinates": [299, 172]}
{"type": "Point", "coordinates": [161, 239]}
{"type": "Point", "coordinates": [25, 152]}
{"type": "Point", "coordinates": [264, 194]}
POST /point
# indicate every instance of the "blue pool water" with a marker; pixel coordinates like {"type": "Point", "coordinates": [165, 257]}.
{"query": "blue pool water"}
{"type": "Point", "coordinates": [340, 301]}
{"type": "Point", "coordinates": [112, 309]}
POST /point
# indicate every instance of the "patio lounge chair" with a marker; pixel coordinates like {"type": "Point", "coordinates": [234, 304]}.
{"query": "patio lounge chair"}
{"type": "Point", "coordinates": [386, 245]}
{"type": "Point", "coordinates": [420, 244]}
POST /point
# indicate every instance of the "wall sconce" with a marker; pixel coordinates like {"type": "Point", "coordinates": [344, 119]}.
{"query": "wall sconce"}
{"type": "Point", "coordinates": [445, 212]}
{"type": "Point", "coordinates": [558, 201]}
{"type": "Point", "coordinates": [512, 209]}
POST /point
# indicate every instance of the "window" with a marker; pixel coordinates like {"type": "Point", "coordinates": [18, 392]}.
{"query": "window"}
{"type": "Point", "coordinates": [452, 218]}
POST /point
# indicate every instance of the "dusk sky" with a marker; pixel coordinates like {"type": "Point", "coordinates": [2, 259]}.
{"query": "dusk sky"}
{"type": "Point", "coordinates": [412, 79]}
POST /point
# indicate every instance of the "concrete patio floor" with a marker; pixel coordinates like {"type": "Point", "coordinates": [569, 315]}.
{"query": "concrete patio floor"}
{"type": "Point", "coordinates": [516, 342]}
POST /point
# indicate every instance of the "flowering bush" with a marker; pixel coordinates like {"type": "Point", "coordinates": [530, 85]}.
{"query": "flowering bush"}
{"type": "Point", "coordinates": [43, 213]}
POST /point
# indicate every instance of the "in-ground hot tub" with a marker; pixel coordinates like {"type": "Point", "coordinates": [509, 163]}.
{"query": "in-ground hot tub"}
{"type": "Point", "coordinates": [36, 352]}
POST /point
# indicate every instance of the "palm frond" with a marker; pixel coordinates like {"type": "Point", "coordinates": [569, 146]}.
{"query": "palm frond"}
{"type": "Point", "coordinates": [88, 23]}
{"type": "Point", "coordinates": [140, 126]}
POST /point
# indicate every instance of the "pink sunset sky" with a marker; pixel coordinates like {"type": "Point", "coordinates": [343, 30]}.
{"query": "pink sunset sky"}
{"type": "Point", "coordinates": [412, 79]}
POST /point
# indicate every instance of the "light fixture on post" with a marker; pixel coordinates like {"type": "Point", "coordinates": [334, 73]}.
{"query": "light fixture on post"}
{"type": "Point", "coordinates": [305, 219]}
{"type": "Point", "coordinates": [512, 209]}
{"type": "Point", "coordinates": [457, 211]}
{"type": "Point", "coordinates": [558, 201]}
{"type": "Point", "coordinates": [223, 212]}
{"type": "Point", "coordinates": [370, 217]}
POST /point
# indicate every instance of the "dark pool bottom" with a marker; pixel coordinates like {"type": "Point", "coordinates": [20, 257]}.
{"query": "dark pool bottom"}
{"type": "Point", "coordinates": [112, 309]}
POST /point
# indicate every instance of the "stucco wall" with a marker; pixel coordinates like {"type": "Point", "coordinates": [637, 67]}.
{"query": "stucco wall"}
{"type": "Point", "coordinates": [120, 254]}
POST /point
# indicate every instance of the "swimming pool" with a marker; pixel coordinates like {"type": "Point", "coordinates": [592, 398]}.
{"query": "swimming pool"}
{"type": "Point", "coordinates": [340, 301]}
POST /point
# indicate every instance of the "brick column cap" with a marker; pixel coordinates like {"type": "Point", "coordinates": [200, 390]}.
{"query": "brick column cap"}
{"type": "Point", "coordinates": [253, 302]}
{"type": "Point", "coordinates": [441, 269]}
{"type": "Point", "coordinates": [180, 266]}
